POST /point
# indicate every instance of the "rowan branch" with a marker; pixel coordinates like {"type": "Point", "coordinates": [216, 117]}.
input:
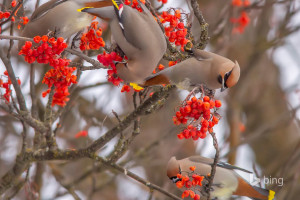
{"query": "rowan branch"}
{"type": "Point", "coordinates": [135, 177]}
{"type": "Point", "coordinates": [141, 110]}
{"type": "Point", "coordinates": [204, 38]}
{"type": "Point", "coordinates": [214, 165]}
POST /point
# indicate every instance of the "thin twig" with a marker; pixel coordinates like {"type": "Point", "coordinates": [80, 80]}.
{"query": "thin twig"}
{"type": "Point", "coordinates": [214, 165]}
{"type": "Point", "coordinates": [16, 8]}
{"type": "Point", "coordinates": [203, 25]}
{"type": "Point", "coordinates": [136, 177]}
{"type": "Point", "coordinates": [142, 109]}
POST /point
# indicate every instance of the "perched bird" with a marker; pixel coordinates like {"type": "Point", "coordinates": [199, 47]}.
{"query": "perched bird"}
{"type": "Point", "coordinates": [226, 181]}
{"type": "Point", "coordinates": [203, 67]}
{"type": "Point", "coordinates": [60, 17]}
{"type": "Point", "coordinates": [139, 37]}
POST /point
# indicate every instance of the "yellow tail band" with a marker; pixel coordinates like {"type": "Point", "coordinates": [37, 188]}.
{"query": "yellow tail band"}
{"type": "Point", "coordinates": [136, 86]}
{"type": "Point", "coordinates": [271, 195]}
{"type": "Point", "coordinates": [115, 4]}
{"type": "Point", "coordinates": [80, 9]}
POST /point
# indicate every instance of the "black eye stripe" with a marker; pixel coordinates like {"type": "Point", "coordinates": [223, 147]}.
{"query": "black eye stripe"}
{"type": "Point", "coordinates": [227, 76]}
{"type": "Point", "coordinates": [220, 79]}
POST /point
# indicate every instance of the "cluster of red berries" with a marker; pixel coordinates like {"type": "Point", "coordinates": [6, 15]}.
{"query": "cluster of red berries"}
{"type": "Point", "coordinates": [48, 51]}
{"type": "Point", "coordinates": [135, 4]}
{"type": "Point", "coordinates": [23, 21]}
{"type": "Point", "coordinates": [7, 14]}
{"type": "Point", "coordinates": [4, 15]}
{"type": "Point", "coordinates": [61, 78]}
{"type": "Point", "coordinates": [92, 39]}
{"type": "Point", "coordinates": [107, 60]}
{"type": "Point", "coordinates": [243, 20]}
{"type": "Point", "coordinates": [175, 30]}
{"type": "Point", "coordinates": [198, 112]}
{"type": "Point", "coordinates": [6, 85]}
{"type": "Point", "coordinates": [187, 183]}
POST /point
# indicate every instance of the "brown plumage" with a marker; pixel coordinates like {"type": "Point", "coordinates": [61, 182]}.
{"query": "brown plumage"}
{"type": "Point", "coordinates": [60, 17]}
{"type": "Point", "coordinates": [203, 67]}
{"type": "Point", "coordinates": [138, 35]}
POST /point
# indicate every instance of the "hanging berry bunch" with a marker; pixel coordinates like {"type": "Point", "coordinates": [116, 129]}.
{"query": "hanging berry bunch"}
{"type": "Point", "coordinates": [48, 51]}
{"type": "Point", "coordinates": [243, 20]}
{"type": "Point", "coordinates": [107, 59]}
{"type": "Point", "coordinates": [192, 182]}
{"type": "Point", "coordinates": [174, 27]}
{"type": "Point", "coordinates": [200, 115]}
{"type": "Point", "coordinates": [92, 38]}
{"type": "Point", "coordinates": [5, 83]}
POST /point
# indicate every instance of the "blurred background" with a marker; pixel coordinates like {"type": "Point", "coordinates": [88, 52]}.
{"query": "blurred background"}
{"type": "Point", "coordinates": [259, 130]}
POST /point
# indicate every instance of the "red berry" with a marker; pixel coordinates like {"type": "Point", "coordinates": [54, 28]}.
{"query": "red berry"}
{"type": "Point", "coordinates": [218, 103]}
{"type": "Point", "coordinates": [180, 25]}
{"type": "Point", "coordinates": [206, 99]}
{"type": "Point", "coordinates": [206, 106]}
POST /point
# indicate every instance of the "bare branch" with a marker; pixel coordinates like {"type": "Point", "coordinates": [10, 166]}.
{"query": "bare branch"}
{"type": "Point", "coordinates": [214, 165]}
{"type": "Point", "coordinates": [148, 104]}
{"type": "Point", "coordinates": [135, 177]}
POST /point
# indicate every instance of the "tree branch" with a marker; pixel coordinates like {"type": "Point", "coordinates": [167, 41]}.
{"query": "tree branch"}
{"type": "Point", "coordinates": [148, 104]}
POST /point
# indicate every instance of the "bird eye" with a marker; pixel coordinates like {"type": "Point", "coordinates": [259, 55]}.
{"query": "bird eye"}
{"type": "Point", "coordinates": [220, 79]}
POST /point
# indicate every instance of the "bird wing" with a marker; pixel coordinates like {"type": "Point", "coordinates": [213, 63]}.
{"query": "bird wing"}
{"type": "Point", "coordinates": [210, 161]}
{"type": "Point", "coordinates": [134, 24]}
{"type": "Point", "coordinates": [43, 9]}
{"type": "Point", "coordinates": [201, 55]}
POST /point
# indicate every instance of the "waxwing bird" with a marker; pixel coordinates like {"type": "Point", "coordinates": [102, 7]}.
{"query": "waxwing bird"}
{"type": "Point", "coordinates": [60, 17]}
{"type": "Point", "coordinates": [226, 181]}
{"type": "Point", "coordinates": [202, 68]}
{"type": "Point", "coordinates": [139, 37]}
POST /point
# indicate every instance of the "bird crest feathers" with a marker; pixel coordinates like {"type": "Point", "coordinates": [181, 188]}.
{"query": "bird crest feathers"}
{"type": "Point", "coordinates": [173, 167]}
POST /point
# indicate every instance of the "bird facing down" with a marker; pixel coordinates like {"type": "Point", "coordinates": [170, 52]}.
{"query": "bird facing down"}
{"type": "Point", "coordinates": [226, 181]}
{"type": "Point", "coordinates": [203, 67]}
{"type": "Point", "coordinates": [138, 35]}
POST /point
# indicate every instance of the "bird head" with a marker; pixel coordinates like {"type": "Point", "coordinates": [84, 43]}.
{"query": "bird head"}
{"type": "Point", "coordinates": [173, 168]}
{"type": "Point", "coordinates": [229, 75]}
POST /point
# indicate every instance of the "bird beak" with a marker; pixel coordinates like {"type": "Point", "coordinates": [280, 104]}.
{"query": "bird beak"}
{"type": "Point", "coordinates": [223, 85]}
{"type": "Point", "coordinates": [223, 89]}
{"type": "Point", "coordinates": [175, 179]}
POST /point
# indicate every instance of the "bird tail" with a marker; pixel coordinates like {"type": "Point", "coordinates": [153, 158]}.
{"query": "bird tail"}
{"type": "Point", "coordinates": [98, 4]}
{"type": "Point", "coordinates": [253, 192]}
{"type": "Point", "coordinates": [117, 3]}
{"type": "Point", "coordinates": [102, 9]}
{"type": "Point", "coordinates": [270, 194]}
{"type": "Point", "coordinates": [156, 79]}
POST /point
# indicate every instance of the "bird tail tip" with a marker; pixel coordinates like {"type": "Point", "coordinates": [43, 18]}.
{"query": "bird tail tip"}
{"type": "Point", "coordinates": [117, 3]}
{"type": "Point", "coordinates": [83, 9]}
{"type": "Point", "coordinates": [270, 194]}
